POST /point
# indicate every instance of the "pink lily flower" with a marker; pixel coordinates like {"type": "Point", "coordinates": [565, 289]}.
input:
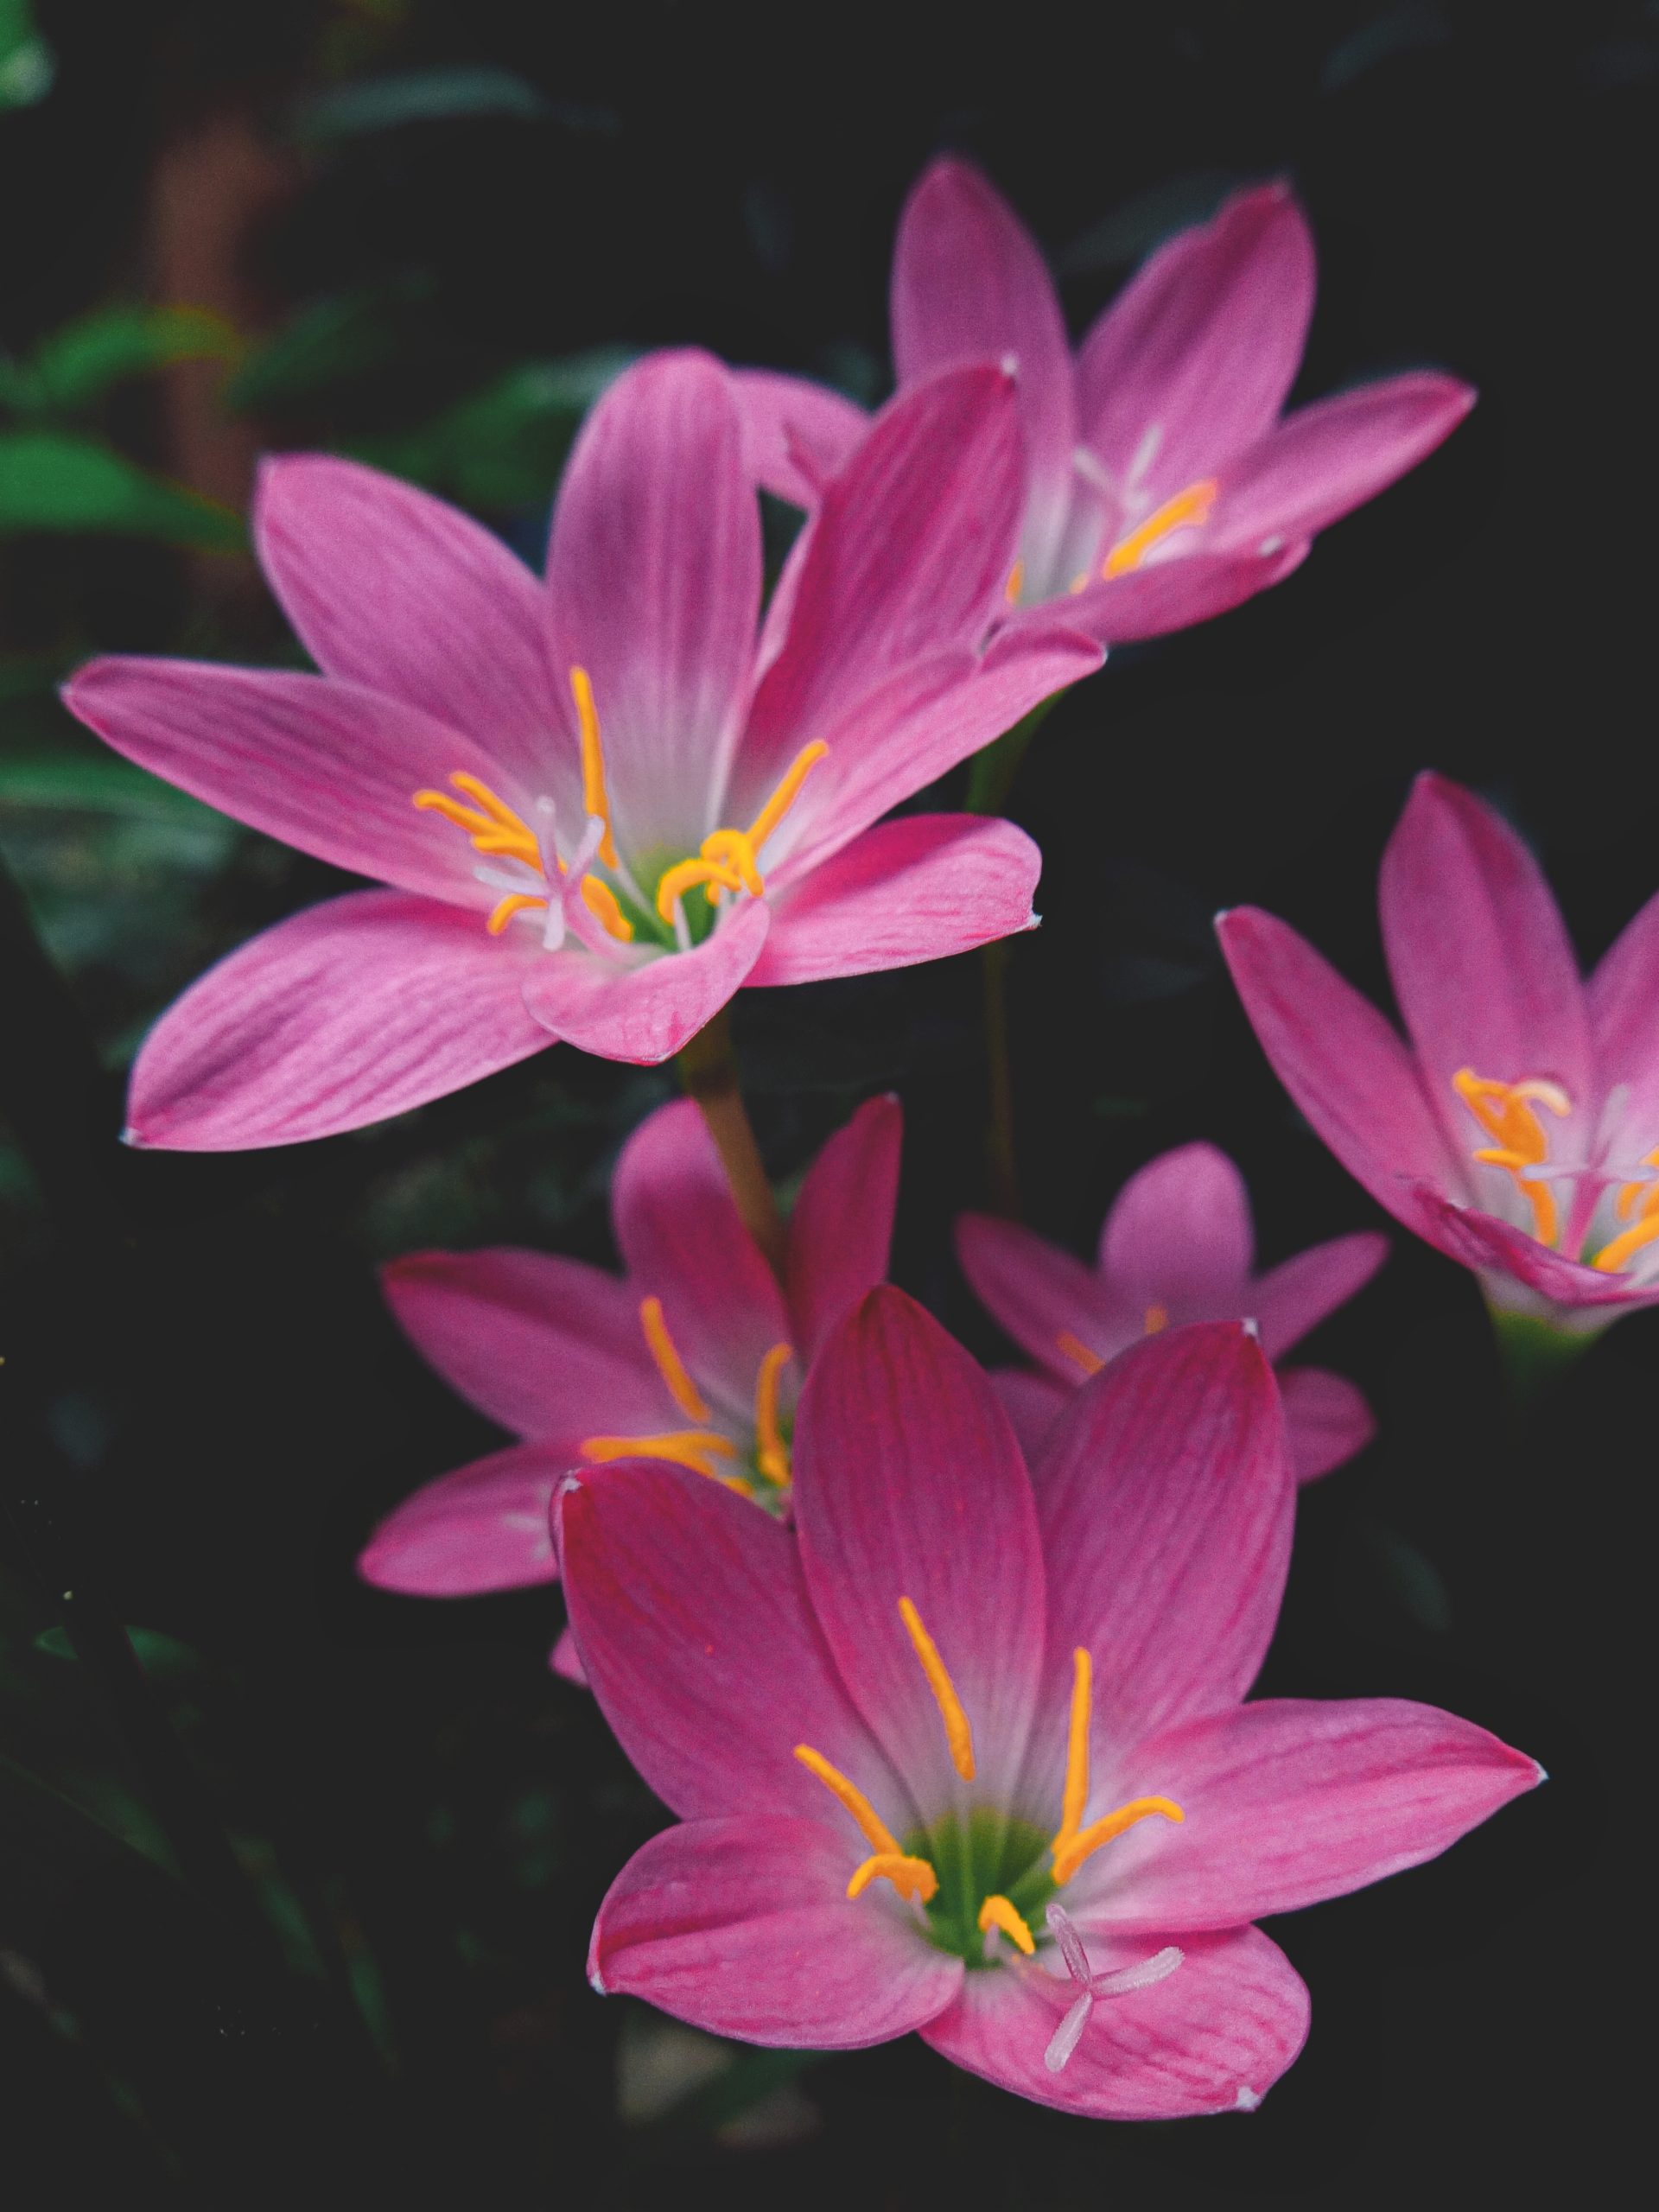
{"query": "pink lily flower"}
{"type": "Point", "coordinates": [1518, 1130]}
{"type": "Point", "coordinates": [960, 1693]}
{"type": "Point", "coordinates": [601, 804]}
{"type": "Point", "coordinates": [671, 1361]}
{"type": "Point", "coordinates": [1163, 486]}
{"type": "Point", "coordinates": [1177, 1246]}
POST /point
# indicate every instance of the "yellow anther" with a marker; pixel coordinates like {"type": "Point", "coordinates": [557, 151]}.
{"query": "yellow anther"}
{"type": "Point", "coordinates": [505, 909]}
{"type": "Point", "coordinates": [771, 1452]}
{"type": "Point", "coordinates": [1077, 1750]}
{"type": "Point", "coordinates": [997, 1912]}
{"type": "Point", "coordinates": [877, 1834]}
{"type": "Point", "coordinates": [491, 825]}
{"type": "Point", "coordinates": [958, 1734]}
{"type": "Point", "coordinates": [1186, 510]}
{"type": "Point", "coordinates": [684, 876]}
{"type": "Point", "coordinates": [911, 1878]}
{"type": "Point", "coordinates": [684, 1391]}
{"type": "Point", "coordinates": [696, 1448]}
{"type": "Point", "coordinates": [1505, 1111]}
{"type": "Point", "coordinates": [593, 796]}
{"type": "Point", "coordinates": [1076, 1351]}
{"type": "Point", "coordinates": [600, 899]}
{"type": "Point", "coordinates": [1646, 1192]}
{"type": "Point", "coordinates": [1015, 584]}
{"type": "Point", "coordinates": [1071, 1854]}
{"type": "Point", "coordinates": [1611, 1258]}
{"type": "Point", "coordinates": [1157, 1317]}
{"type": "Point", "coordinates": [731, 848]}
{"type": "Point", "coordinates": [787, 792]}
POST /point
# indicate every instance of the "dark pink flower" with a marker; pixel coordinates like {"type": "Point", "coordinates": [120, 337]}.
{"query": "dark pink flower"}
{"type": "Point", "coordinates": [959, 1692]}
{"type": "Point", "coordinates": [1163, 484]}
{"type": "Point", "coordinates": [603, 802]}
{"type": "Point", "coordinates": [1177, 1246]}
{"type": "Point", "coordinates": [1518, 1131]}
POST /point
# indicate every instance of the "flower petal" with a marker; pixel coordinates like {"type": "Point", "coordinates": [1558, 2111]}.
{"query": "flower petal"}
{"type": "Point", "coordinates": [1294, 1800]}
{"type": "Point", "coordinates": [1168, 595]}
{"type": "Point", "coordinates": [744, 1928]}
{"type": "Point", "coordinates": [1293, 1298]}
{"type": "Point", "coordinates": [565, 1661]}
{"type": "Point", "coordinates": [908, 1484]}
{"type": "Point", "coordinates": [1037, 1294]}
{"type": "Point", "coordinates": [1503, 1255]}
{"type": "Point", "coordinates": [1623, 992]}
{"type": "Point", "coordinates": [344, 1014]}
{"type": "Point", "coordinates": [644, 1011]}
{"type": "Point", "coordinates": [841, 1231]}
{"type": "Point", "coordinates": [797, 435]}
{"type": "Point", "coordinates": [391, 588]}
{"type": "Point", "coordinates": [919, 888]}
{"type": "Point", "coordinates": [1179, 1236]}
{"type": "Point", "coordinates": [1032, 1403]}
{"type": "Point", "coordinates": [1212, 2037]}
{"type": "Point", "coordinates": [1326, 1419]}
{"type": "Point", "coordinates": [484, 1527]}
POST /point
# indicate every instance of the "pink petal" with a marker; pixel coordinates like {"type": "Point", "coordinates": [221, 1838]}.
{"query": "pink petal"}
{"type": "Point", "coordinates": [653, 578]}
{"type": "Point", "coordinates": [1038, 1293]}
{"type": "Point", "coordinates": [1482, 968]}
{"type": "Point", "coordinates": [644, 1010]}
{"type": "Point", "coordinates": [1622, 993]}
{"type": "Point", "coordinates": [970, 284]}
{"type": "Point", "coordinates": [345, 1014]}
{"type": "Point", "coordinates": [797, 435]}
{"type": "Point", "coordinates": [1212, 2037]}
{"type": "Point", "coordinates": [1326, 1419]}
{"type": "Point", "coordinates": [1201, 347]}
{"type": "Point", "coordinates": [1326, 460]}
{"type": "Point", "coordinates": [1032, 1403]}
{"type": "Point", "coordinates": [841, 1231]}
{"type": "Point", "coordinates": [484, 1527]}
{"type": "Point", "coordinates": [683, 1240]}
{"type": "Point", "coordinates": [324, 766]}
{"type": "Point", "coordinates": [1296, 1296]}
{"type": "Point", "coordinates": [744, 1929]}
{"type": "Point", "coordinates": [1172, 594]}
{"type": "Point", "coordinates": [1291, 1800]}
{"type": "Point", "coordinates": [549, 1347]}
{"type": "Point", "coordinates": [565, 1661]}
{"type": "Point", "coordinates": [690, 1611]}
{"type": "Point", "coordinates": [1503, 1255]}
{"type": "Point", "coordinates": [1165, 1502]}
{"type": "Point", "coordinates": [919, 888]}
{"type": "Point", "coordinates": [1341, 1062]}
{"type": "Point", "coordinates": [1179, 1236]}
{"type": "Point", "coordinates": [908, 1484]}
{"type": "Point", "coordinates": [390, 588]}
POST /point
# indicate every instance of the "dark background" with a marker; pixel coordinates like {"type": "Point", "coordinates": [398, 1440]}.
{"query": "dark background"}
{"type": "Point", "coordinates": [432, 224]}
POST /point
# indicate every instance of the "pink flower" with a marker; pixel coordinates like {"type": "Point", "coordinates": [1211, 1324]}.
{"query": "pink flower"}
{"type": "Point", "coordinates": [695, 1356]}
{"type": "Point", "coordinates": [959, 1692]}
{"type": "Point", "coordinates": [600, 804]}
{"type": "Point", "coordinates": [1518, 1131]}
{"type": "Point", "coordinates": [1177, 1246]}
{"type": "Point", "coordinates": [1162, 484]}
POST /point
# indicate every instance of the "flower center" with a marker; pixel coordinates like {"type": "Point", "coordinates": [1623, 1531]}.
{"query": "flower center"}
{"type": "Point", "coordinates": [1507, 1113]}
{"type": "Point", "coordinates": [704, 1448]}
{"type": "Point", "coordinates": [1082, 1355]}
{"type": "Point", "coordinates": [1188, 510]}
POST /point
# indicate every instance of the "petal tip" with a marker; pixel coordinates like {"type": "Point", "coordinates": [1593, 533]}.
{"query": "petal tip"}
{"type": "Point", "coordinates": [1248, 2099]}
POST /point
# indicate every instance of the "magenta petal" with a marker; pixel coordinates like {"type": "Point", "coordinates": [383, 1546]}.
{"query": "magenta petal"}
{"type": "Point", "coordinates": [1622, 993]}
{"type": "Point", "coordinates": [1497, 1250]}
{"type": "Point", "coordinates": [565, 1661]}
{"type": "Point", "coordinates": [1169, 595]}
{"type": "Point", "coordinates": [1032, 1403]}
{"type": "Point", "coordinates": [1201, 347]}
{"type": "Point", "coordinates": [795, 433]}
{"type": "Point", "coordinates": [1296, 1296]}
{"type": "Point", "coordinates": [908, 1484]}
{"type": "Point", "coordinates": [324, 766]}
{"type": "Point", "coordinates": [841, 1231]}
{"type": "Point", "coordinates": [1212, 2037]}
{"type": "Point", "coordinates": [390, 588]}
{"type": "Point", "coordinates": [1038, 1293]}
{"type": "Point", "coordinates": [744, 1928]}
{"type": "Point", "coordinates": [1165, 1502]}
{"type": "Point", "coordinates": [549, 1347]}
{"type": "Point", "coordinates": [1341, 1062]}
{"type": "Point", "coordinates": [644, 1010]}
{"type": "Point", "coordinates": [349, 1013]}
{"type": "Point", "coordinates": [697, 1635]}
{"type": "Point", "coordinates": [1326, 1419]}
{"type": "Point", "coordinates": [484, 1527]}
{"type": "Point", "coordinates": [1179, 1236]}
{"type": "Point", "coordinates": [1292, 1800]}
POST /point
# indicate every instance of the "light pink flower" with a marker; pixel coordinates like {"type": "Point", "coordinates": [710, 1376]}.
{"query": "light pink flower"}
{"type": "Point", "coordinates": [601, 802]}
{"type": "Point", "coordinates": [959, 1691]}
{"type": "Point", "coordinates": [1518, 1131]}
{"type": "Point", "coordinates": [1163, 486]}
{"type": "Point", "coordinates": [1177, 1246]}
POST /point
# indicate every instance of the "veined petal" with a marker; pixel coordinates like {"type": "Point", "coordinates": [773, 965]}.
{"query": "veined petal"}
{"type": "Point", "coordinates": [644, 1010]}
{"type": "Point", "coordinates": [1167, 595]}
{"type": "Point", "coordinates": [796, 434]}
{"type": "Point", "coordinates": [1326, 1419]}
{"type": "Point", "coordinates": [1497, 1250]}
{"type": "Point", "coordinates": [744, 1928]}
{"type": "Point", "coordinates": [1038, 1293]}
{"type": "Point", "coordinates": [1296, 1296]}
{"type": "Point", "coordinates": [1179, 1236]}
{"type": "Point", "coordinates": [1032, 1402]}
{"type": "Point", "coordinates": [484, 1527]}
{"type": "Point", "coordinates": [1623, 992]}
{"type": "Point", "coordinates": [840, 1229]}
{"type": "Point", "coordinates": [344, 1014]}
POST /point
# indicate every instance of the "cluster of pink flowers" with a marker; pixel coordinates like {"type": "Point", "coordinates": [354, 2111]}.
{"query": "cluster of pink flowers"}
{"type": "Point", "coordinates": [945, 1675]}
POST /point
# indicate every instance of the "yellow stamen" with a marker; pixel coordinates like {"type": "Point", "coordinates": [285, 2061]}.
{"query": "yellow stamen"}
{"type": "Point", "coordinates": [997, 1912]}
{"type": "Point", "coordinates": [593, 761]}
{"type": "Point", "coordinates": [1157, 1318]}
{"type": "Point", "coordinates": [911, 1878]}
{"type": "Point", "coordinates": [877, 1834]}
{"type": "Point", "coordinates": [786, 793]}
{"type": "Point", "coordinates": [1077, 1750]}
{"type": "Point", "coordinates": [771, 1452]}
{"type": "Point", "coordinates": [958, 1734]}
{"type": "Point", "coordinates": [732, 848]}
{"type": "Point", "coordinates": [505, 909]}
{"type": "Point", "coordinates": [1646, 1192]}
{"type": "Point", "coordinates": [491, 826]}
{"type": "Point", "coordinates": [1079, 582]}
{"type": "Point", "coordinates": [684, 874]}
{"type": "Point", "coordinates": [1611, 1258]}
{"type": "Point", "coordinates": [1074, 1349]}
{"type": "Point", "coordinates": [600, 899]}
{"type": "Point", "coordinates": [1191, 506]}
{"type": "Point", "coordinates": [1015, 583]}
{"type": "Point", "coordinates": [1505, 1111]}
{"type": "Point", "coordinates": [1071, 1854]}
{"type": "Point", "coordinates": [684, 1391]}
{"type": "Point", "coordinates": [696, 1448]}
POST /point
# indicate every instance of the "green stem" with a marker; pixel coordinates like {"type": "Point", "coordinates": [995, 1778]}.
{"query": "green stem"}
{"type": "Point", "coordinates": [707, 1068]}
{"type": "Point", "coordinates": [992, 769]}
{"type": "Point", "coordinates": [1535, 1355]}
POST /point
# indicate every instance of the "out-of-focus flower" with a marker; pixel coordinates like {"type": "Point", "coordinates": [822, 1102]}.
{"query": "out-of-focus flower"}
{"type": "Point", "coordinates": [1518, 1131]}
{"type": "Point", "coordinates": [959, 1692]}
{"type": "Point", "coordinates": [601, 804]}
{"type": "Point", "coordinates": [695, 1356]}
{"type": "Point", "coordinates": [1177, 1246]}
{"type": "Point", "coordinates": [1162, 484]}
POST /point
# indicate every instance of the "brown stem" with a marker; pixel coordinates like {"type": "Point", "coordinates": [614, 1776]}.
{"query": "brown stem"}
{"type": "Point", "coordinates": [707, 1068]}
{"type": "Point", "coordinates": [1002, 1166]}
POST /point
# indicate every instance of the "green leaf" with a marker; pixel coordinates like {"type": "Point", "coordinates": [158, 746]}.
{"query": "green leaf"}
{"type": "Point", "coordinates": [504, 446]}
{"type": "Point", "coordinates": [80, 362]}
{"type": "Point", "coordinates": [337, 340]}
{"type": "Point", "coordinates": [419, 96]}
{"type": "Point", "coordinates": [93, 782]}
{"type": "Point", "coordinates": [28, 64]}
{"type": "Point", "coordinates": [52, 480]}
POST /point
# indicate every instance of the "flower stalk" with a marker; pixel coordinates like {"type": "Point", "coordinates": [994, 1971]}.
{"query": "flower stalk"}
{"type": "Point", "coordinates": [708, 1066]}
